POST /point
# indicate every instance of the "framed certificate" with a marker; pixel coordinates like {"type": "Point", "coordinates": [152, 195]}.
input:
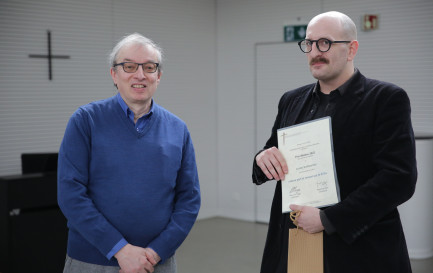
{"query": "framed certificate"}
{"type": "Point", "coordinates": [308, 150]}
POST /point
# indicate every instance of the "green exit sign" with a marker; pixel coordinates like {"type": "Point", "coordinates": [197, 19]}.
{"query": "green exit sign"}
{"type": "Point", "coordinates": [294, 33]}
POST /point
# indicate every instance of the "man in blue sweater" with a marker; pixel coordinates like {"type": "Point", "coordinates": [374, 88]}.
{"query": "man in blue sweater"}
{"type": "Point", "coordinates": [127, 176]}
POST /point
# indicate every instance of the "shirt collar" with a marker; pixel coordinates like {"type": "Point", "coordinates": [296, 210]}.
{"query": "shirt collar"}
{"type": "Point", "coordinates": [126, 109]}
{"type": "Point", "coordinates": [343, 88]}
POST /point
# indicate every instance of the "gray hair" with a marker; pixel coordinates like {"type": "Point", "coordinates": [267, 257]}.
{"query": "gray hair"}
{"type": "Point", "coordinates": [347, 24]}
{"type": "Point", "coordinates": [135, 38]}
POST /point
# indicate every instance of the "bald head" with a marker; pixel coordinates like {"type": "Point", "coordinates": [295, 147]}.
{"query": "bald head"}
{"type": "Point", "coordinates": [333, 64]}
{"type": "Point", "coordinates": [346, 24]}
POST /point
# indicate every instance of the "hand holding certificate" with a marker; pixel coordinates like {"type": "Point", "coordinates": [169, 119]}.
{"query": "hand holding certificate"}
{"type": "Point", "coordinates": [311, 180]}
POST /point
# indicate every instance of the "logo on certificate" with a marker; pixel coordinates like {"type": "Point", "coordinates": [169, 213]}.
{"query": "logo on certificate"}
{"type": "Point", "coordinates": [294, 192]}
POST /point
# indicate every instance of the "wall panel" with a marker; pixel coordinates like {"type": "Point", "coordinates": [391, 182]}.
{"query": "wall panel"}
{"type": "Point", "coordinates": [34, 110]}
{"type": "Point", "coordinates": [397, 52]}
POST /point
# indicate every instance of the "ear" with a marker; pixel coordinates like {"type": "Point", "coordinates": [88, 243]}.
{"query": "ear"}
{"type": "Point", "coordinates": [353, 49]}
{"type": "Point", "coordinates": [113, 75]}
{"type": "Point", "coordinates": [159, 76]}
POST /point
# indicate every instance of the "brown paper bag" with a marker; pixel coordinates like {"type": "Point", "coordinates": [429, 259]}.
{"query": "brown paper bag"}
{"type": "Point", "coordinates": [305, 250]}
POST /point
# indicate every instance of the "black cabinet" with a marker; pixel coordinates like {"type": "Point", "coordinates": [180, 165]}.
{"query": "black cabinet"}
{"type": "Point", "coordinates": [33, 232]}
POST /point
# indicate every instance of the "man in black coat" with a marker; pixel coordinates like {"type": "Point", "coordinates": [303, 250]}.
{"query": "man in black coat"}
{"type": "Point", "coordinates": [374, 151]}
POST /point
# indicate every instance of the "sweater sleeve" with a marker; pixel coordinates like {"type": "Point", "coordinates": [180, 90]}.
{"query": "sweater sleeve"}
{"type": "Point", "coordinates": [186, 205]}
{"type": "Point", "coordinates": [73, 179]}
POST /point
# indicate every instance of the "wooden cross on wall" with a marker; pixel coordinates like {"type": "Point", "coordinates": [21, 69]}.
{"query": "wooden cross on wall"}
{"type": "Point", "coordinates": [50, 56]}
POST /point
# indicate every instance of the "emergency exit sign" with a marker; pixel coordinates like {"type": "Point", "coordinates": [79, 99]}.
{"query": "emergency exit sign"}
{"type": "Point", "coordinates": [370, 22]}
{"type": "Point", "coordinates": [294, 33]}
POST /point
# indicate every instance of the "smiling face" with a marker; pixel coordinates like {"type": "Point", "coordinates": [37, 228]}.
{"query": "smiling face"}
{"type": "Point", "coordinates": [136, 88]}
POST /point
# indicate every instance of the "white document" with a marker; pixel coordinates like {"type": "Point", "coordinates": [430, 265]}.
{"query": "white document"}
{"type": "Point", "coordinates": [308, 150]}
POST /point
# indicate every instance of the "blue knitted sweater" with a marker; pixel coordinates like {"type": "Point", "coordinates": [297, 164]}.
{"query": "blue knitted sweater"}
{"type": "Point", "coordinates": [117, 185]}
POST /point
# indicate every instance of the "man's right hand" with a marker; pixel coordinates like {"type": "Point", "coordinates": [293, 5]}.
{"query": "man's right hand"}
{"type": "Point", "coordinates": [272, 163]}
{"type": "Point", "coordinates": [133, 259]}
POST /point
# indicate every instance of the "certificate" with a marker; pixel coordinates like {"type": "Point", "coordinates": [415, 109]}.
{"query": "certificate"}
{"type": "Point", "coordinates": [308, 150]}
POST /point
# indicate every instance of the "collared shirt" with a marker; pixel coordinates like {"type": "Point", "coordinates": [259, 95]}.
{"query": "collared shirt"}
{"type": "Point", "coordinates": [142, 121]}
{"type": "Point", "coordinates": [322, 105]}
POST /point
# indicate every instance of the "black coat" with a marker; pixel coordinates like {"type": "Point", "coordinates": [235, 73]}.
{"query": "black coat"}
{"type": "Point", "coordinates": [374, 150]}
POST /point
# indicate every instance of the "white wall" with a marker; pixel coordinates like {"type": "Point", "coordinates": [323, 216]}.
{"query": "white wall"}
{"type": "Point", "coordinates": [209, 75]}
{"type": "Point", "coordinates": [399, 52]}
{"type": "Point", "coordinates": [34, 111]}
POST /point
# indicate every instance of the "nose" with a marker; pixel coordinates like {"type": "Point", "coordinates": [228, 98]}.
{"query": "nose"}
{"type": "Point", "coordinates": [315, 50]}
{"type": "Point", "coordinates": [140, 72]}
{"type": "Point", "coordinates": [314, 47]}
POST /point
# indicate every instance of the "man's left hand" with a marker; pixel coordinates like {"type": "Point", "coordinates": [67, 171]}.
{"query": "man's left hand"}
{"type": "Point", "coordinates": [152, 256]}
{"type": "Point", "coordinates": [309, 219]}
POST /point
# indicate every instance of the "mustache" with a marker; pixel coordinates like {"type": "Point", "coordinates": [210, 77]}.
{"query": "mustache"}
{"type": "Point", "coordinates": [319, 60]}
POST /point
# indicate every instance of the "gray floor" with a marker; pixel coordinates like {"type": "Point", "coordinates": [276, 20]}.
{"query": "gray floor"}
{"type": "Point", "coordinates": [227, 245]}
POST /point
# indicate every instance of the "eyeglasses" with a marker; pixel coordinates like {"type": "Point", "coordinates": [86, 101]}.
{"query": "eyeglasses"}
{"type": "Point", "coordinates": [323, 44]}
{"type": "Point", "coordinates": [130, 67]}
